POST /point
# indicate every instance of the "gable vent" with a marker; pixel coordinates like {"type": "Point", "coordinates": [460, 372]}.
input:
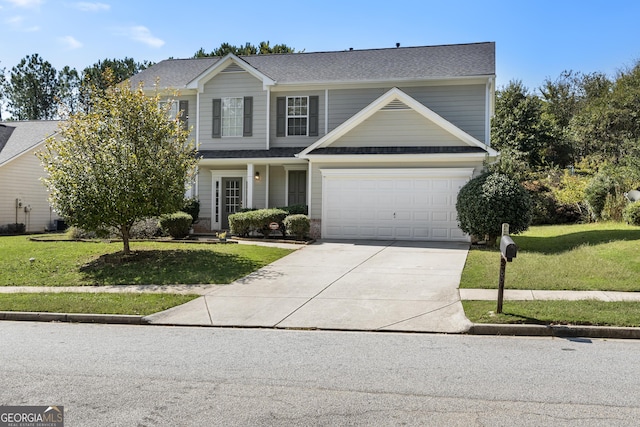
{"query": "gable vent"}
{"type": "Point", "coordinates": [233, 68]}
{"type": "Point", "coordinates": [396, 104]}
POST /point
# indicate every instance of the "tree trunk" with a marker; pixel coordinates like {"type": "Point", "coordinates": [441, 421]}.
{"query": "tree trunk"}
{"type": "Point", "coordinates": [124, 230]}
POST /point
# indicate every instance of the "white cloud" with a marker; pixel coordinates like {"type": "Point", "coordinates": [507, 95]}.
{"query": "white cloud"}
{"type": "Point", "coordinates": [70, 42]}
{"type": "Point", "coordinates": [143, 35]}
{"type": "Point", "coordinates": [31, 4]}
{"type": "Point", "coordinates": [16, 24]}
{"type": "Point", "coordinates": [91, 7]}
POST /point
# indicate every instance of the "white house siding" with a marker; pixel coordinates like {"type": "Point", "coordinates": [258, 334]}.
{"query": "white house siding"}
{"type": "Point", "coordinates": [20, 178]}
{"type": "Point", "coordinates": [316, 174]}
{"type": "Point", "coordinates": [397, 128]}
{"type": "Point", "coordinates": [235, 84]}
{"type": "Point", "coordinates": [462, 105]}
{"type": "Point", "coordinates": [297, 141]}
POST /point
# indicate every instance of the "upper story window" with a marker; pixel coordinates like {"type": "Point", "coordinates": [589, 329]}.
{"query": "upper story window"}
{"type": "Point", "coordinates": [176, 107]}
{"type": "Point", "coordinates": [232, 116]}
{"type": "Point", "coordinates": [297, 115]}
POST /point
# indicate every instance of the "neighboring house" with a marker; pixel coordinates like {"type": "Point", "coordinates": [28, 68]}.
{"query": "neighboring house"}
{"type": "Point", "coordinates": [376, 142]}
{"type": "Point", "coordinates": [23, 196]}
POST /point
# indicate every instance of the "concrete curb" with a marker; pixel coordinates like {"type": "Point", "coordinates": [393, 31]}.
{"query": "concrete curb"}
{"type": "Point", "coordinates": [121, 319]}
{"type": "Point", "coordinates": [560, 331]}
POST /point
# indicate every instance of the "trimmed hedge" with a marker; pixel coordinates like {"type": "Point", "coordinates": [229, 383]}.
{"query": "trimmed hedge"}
{"type": "Point", "coordinates": [14, 228]}
{"type": "Point", "coordinates": [296, 209]}
{"type": "Point", "coordinates": [192, 207]}
{"type": "Point", "coordinates": [243, 223]}
{"type": "Point", "coordinates": [297, 225]}
{"type": "Point", "coordinates": [177, 224]}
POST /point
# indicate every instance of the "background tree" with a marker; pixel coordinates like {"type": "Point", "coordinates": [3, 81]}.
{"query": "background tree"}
{"type": "Point", "coordinates": [246, 50]}
{"type": "Point", "coordinates": [69, 83]}
{"type": "Point", "coordinates": [31, 89]}
{"type": "Point", "coordinates": [118, 70]}
{"type": "Point", "coordinates": [119, 163]}
{"type": "Point", "coordinates": [2, 89]}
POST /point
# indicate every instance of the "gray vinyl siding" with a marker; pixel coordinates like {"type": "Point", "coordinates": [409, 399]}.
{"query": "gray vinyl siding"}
{"type": "Point", "coordinates": [462, 105]}
{"type": "Point", "coordinates": [277, 182]}
{"type": "Point", "coordinates": [297, 141]}
{"type": "Point", "coordinates": [204, 192]}
{"type": "Point", "coordinates": [236, 85]}
{"type": "Point", "coordinates": [20, 179]}
{"type": "Point", "coordinates": [397, 127]}
{"type": "Point", "coordinates": [260, 187]}
{"type": "Point", "coordinates": [316, 175]}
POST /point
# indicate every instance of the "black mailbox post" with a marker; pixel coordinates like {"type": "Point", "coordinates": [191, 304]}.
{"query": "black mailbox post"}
{"type": "Point", "coordinates": [508, 251]}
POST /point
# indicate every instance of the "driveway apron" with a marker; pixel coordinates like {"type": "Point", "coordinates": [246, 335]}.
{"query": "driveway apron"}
{"type": "Point", "coordinates": [344, 285]}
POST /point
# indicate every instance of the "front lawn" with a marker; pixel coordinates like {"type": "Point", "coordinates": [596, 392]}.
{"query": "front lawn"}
{"type": "Point", "coordinates": [585, 312]}
{"type": "Point", "coordinates": [599, 256]}
{"type": "Point", "coordinates": [92, 303]}
{"type": "Point", "coordinates": [63, 263]}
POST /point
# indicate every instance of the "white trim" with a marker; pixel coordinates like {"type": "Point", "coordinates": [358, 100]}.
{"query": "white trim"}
{"type": "Point", "coordinates": [267, 185]}
{"type": "Point", "coordinates": [326, 111]}
{"type": "Point", "coordinates": [400, 158]}
{"type": "Point", "coordinates": [368, 84]}
{"type": "Point", "coordinates": [258, 160]}
{"type": "Point", "coordinates": [217, 175]}
{"type": "Point", "coordinates": [250, 183]}
{"type": "Point", "coordinates": [392, 95]}
{"type": "Point", "coordinates": [487, 112]}
{"type": "Point", "coordinates": [268, 116]}
{"type": "Point", "coordinates": [408, 172]}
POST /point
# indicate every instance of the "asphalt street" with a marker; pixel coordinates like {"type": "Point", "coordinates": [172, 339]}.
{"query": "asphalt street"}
{"type": "Point", "coordinates": [122, 375]}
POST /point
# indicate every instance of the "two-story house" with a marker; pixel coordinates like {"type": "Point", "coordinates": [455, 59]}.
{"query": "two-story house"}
{"type": "Point", "coordinates": [376, 142]}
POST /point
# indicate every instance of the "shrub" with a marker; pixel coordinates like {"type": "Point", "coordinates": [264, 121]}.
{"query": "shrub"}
{"type": "Point", "coordinates": [243, 223]}
{"type": "Point", "coordinates": [297, 225]}
{"type": "Point", "coordinates": [146, 229]}
{"type": "Point", "coordinates": [547, 209]}
{"type": "Point", "coordinates": [631, 213]}
{"type": "Point", "coordinates": [596, 193]}
{"type": "Point", "coordinates": [176, 224]}
{"type": "Point", "coordinates": [14, 228]}
{"type": "Point", "coordinates": [488, 201]}
{"type": "Point", "coordinates": [296, 209]}
{"type": "Point", "coordinates": [192, 207]}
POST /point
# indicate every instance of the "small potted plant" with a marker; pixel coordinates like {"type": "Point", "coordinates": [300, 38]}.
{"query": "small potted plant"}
{"type": "Point", "coordinates": [222, 236]}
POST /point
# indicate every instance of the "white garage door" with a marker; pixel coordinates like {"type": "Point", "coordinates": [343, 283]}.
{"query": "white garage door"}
{"type": "Point", "coordinates": [398, 204]}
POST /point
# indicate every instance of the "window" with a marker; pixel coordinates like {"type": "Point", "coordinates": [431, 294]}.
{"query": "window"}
{"type": "Point", "coordinates": [178, 106]}
{"type": "Point", "coordinates": [232, 117]}
{"type": "Point", "coordinates": [297, 115]}
{"type": "Point", "coordinates": [232, 113]}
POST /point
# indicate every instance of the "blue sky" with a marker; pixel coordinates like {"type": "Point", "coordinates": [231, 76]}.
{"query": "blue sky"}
{"type": "Point", "coordinates": [534, 39]}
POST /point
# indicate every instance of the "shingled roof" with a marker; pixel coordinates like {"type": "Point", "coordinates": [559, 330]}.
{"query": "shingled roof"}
{"type": "Point", "coordinates": [23, 136]}
{"type": "Point", "coordinates": [392, 64]}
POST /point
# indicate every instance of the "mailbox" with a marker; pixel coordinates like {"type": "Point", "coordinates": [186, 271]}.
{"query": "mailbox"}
{"type": "Point", "coordinates": [508, 248]}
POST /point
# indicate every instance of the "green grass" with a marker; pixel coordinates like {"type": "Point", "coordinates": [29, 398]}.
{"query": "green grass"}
{"type": "Point", "coordinates": [600, 256]}
{"type": "Point", "coordinates": [100, 303]}
{"type": "Point", "coordinates": [63, 263]}
{"type": "Point", "coordinates": [585, 312]}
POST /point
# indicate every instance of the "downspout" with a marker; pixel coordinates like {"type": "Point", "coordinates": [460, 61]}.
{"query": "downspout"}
{"type": "Point", "coordinates": [267, 183]}
{"type": "Point", "coordinates": [197, 176]}
{"type": "Point", "coordinates": [488, 111]}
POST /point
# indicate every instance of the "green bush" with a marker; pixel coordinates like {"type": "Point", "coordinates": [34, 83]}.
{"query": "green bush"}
{"type": "Point", "coordinates": [631, 213]}
{"type": "Point", "coordinates": [243, 223]}
{"type": "Point", "coordinates": [297, 225]}
{"type": "Point", "coordinates": [547, 209]}
{"type": "Point", "coordinates": [596, 193]}
{"type": "Point", "coordinates": [14, 228]}
{"type": "Point", "coordinates": [296, 209]}
{"type": "Point", "coordinates": [192, 207]}
{"type": "Point", "coordinates": [488, 201]}
{"type": "Point", "coordinates": [146, 229]}
{"type": "Point", "coordinates": [176, 224]}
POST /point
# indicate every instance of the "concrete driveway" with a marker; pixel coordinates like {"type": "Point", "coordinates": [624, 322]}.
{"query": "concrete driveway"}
{"type": "Point", "coordinates": [345, 285]}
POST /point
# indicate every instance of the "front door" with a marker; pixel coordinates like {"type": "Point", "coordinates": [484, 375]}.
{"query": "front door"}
{"type": "Point", "coordinates": [231, 199]}
{"type": "Point", "coordinates": [297, 188]}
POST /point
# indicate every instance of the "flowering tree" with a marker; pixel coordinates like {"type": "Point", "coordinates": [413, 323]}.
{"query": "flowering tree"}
{"type": "Point", "coordinates": [123, 161]}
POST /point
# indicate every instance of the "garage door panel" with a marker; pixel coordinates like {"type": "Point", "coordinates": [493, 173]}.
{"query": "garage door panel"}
{"type": "Point", "coordinates": [391, 207]}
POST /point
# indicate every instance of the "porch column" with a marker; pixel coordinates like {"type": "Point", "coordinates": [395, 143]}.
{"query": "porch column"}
{"type": "Point", "coordinates": [250, 179]}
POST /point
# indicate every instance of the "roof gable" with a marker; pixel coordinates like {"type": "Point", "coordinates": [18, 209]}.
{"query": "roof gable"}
{"type": "Point", "coordinates": [221, 65]}
{"type": "Point", "coordinates": [25, 136]}
{"type": "Point", "coordinates": [395, 99]}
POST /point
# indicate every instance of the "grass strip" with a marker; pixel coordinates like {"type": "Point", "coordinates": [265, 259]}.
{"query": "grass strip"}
{"type": "Point", "coordinates": [584, 312]}
{"type": "Point", "coordinates": [92, 303]}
